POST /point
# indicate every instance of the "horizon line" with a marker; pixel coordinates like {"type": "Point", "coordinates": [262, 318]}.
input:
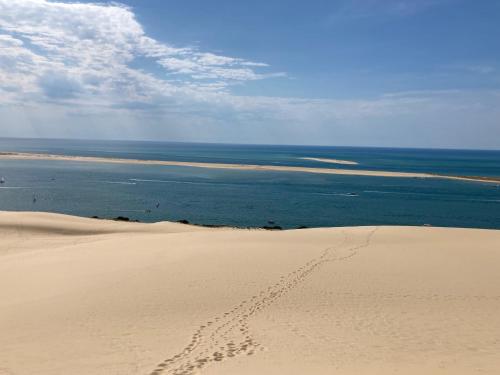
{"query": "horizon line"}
{"type": "Point", "coordinates": [253, 144]}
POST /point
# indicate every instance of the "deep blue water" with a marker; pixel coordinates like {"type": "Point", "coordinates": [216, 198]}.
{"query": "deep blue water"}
{"type": "Point", "coordinates": [252, 198]}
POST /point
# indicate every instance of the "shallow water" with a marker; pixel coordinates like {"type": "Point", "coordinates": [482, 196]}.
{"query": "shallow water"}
{"type": "Point", "coordinates": [252, 198]}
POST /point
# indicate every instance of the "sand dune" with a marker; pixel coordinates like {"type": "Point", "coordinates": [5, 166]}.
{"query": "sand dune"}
{"type": "Point", "coordinates": [246, 167]}
{"type": "Point", "coordinates": [83, 296]}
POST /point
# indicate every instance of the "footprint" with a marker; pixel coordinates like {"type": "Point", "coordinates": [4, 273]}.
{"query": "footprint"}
{"type": "Point", "coordinates": [218, 334]}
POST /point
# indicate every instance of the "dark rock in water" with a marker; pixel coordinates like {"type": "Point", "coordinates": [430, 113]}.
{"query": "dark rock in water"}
{"type": "Point", "coordinates": [302, 227]}
{"type": "Point", "coordinates": [271, 222]}
{"type": "Point", "coordinates": [95, 217]}
{"type": "Point", "coordinates": [121, 218]}
{"type": "Point", "coordinates": [183, 221]}
{"type": "Point", "coordinates": [275, 227]}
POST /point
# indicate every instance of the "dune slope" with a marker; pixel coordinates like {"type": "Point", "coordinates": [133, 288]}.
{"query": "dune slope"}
{"type": "Point", "coordinates": [85, 296]}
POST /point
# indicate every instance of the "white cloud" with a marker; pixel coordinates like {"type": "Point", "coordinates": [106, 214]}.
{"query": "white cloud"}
{"type": "Point", "coordinates": [66, 50]}
{"type": "Point", "coordinates": [71, 70]}
{"type": "Point", "coordinates": [7, 41]}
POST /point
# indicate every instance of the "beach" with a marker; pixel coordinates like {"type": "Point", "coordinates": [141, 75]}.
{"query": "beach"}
{"type": "Point", "coordinates": [87, 296]}
{"type": "Point", "coordinates": [243, 167]}
{"type": "Point", "coordinates": [249, 188]}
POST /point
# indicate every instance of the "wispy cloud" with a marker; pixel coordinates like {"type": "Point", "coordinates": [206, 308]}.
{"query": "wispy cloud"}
{"type": "Point", "coordinates": [475, 68]}
{"type": "Point", "coordinates": [359, 9]}
{"type": "Point", "coordinates": [65, 50]}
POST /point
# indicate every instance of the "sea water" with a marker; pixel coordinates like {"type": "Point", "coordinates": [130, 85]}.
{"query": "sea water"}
{"type": "Point", "coordinates": [252, 198]}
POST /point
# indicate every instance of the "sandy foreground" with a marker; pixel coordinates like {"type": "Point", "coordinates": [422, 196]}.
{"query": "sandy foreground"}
{"type": "Point", "coordinates": [246, 167]}
{"type": "Point", "coordinates": [84, 296]}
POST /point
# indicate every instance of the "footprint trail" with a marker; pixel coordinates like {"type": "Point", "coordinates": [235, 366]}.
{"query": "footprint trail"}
{"type": "Point", "coordinates": [227, 335]}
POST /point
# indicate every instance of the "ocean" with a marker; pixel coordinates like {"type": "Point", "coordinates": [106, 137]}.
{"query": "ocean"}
{"type": "Point", "coordinates": [252, 198]}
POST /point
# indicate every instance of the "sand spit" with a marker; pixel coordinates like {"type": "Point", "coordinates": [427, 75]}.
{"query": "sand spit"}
{"type": "Point", "coordinates": [248, 167]}
{"type": "Point", "coordinates": [81, 296]}
{"type": "Point", "coordinates": [332, 161]}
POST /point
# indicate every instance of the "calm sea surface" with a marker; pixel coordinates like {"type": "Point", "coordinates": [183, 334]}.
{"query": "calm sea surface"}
{"type": "Point", "coordinates": [252, 198]}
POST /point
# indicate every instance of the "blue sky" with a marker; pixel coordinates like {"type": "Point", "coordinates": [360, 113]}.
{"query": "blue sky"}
{"type": "Point", "coordinates": [353, 72]}
{"type": "Point", "coordinates": [342, 49]}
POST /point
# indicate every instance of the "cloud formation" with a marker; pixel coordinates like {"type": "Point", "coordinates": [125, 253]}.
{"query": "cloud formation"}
{"type": "Point", "coordinates": [67, 50]}
{"type": "Point", "coordinates": [74, 70]}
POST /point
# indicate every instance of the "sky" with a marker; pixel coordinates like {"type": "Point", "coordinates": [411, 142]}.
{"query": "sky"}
{"type": "Point", "coordinates": [388, 73]}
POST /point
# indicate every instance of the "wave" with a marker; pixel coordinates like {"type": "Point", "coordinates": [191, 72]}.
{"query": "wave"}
{"type": "Point", "coordinates": [397, 192]}
{"type": "Point", "coordinates": [406, 193]}
{"type": "Point", "coordinates": [183, 182]}
{"type": "Point", "coordinates": [339, 194]}
{"type": "Point", "coordinates": [447, 197]}
{"type": "Point", "coordinates": [119, 182]}
{"type": "Point", "coordinates": [381, 192]}
{"type": "Point", "coordinates": [15, 187]}
{"type": "Point", "coordinates": [484, 200]}
{"type": "Point", "coordinates": [118, 210]}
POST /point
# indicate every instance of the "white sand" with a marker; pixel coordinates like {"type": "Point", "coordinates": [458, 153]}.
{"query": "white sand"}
{"type": "Point", "coordinates": [332, 161]}
{"type": "Point", "coordinates": [84, 296]}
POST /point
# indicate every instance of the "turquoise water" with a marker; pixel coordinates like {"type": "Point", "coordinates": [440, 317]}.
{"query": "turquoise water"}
{"type": "Point", "coordinates": [252, 198]}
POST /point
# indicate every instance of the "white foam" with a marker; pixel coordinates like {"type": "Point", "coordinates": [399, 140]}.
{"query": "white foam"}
{"type": "Point", "coordinates": [182, 182]}
{"type": "Point", "coordinates": [119, 182]}
{"type": "Point", "coordinates": [339, 194]}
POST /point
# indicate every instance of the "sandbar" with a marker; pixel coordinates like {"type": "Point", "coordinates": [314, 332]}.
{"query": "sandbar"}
{"type": "Point", "coordinates": [248, 167]}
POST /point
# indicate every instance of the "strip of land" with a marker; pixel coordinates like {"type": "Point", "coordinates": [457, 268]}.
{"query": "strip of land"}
{"type": "Point", "coordinates": [332, 161]}
{"type": "Point", "coordinates": [94, 297]}
{"type": "Point", "coordinates": [248, 167]}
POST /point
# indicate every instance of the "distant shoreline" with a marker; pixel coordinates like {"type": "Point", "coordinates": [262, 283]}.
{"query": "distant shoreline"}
{"type": "Point", "coordinates": [247, 167]}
